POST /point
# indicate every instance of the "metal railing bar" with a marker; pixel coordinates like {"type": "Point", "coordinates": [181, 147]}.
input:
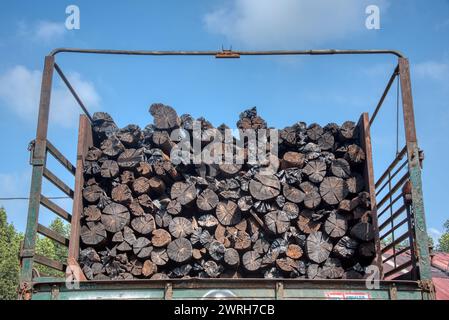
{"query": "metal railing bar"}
{"type": "Point", "coordinates": [57, 265]}
{"type": "Point", "coordinates": [58, 183]}
{"type": "Point", "coordinates": [392, 165]}
{"type": "Point", "coordinates": [385, 93]}
{"type": "Point", "coordinates": [398, 169]}
{"type": "Point", "coordinates": [395, 243]}
{"type": "Point", "coordinates": [394, 189]}
{"type": "Point", "coordinates": [398, 268]}
{"type": "Point", "coordinates": [214, 53]}
{"type": "Point", "coordinates": [403, 221]}
{"type": "Point", "coordinates": [412, 233]}
{"type": "Point", "coordinates": [397, 253]}
{"type": "Point", "coordinates": [399, 196]}
{"type": "Point", "coordinates": [72, 90]}
{"type": "Point", "coordinates": [51, 234]}
{"type": "Point", "coordinates": [60, 157]}
{"type": "Point", "coordinates": [50, 205]}
{"type": "Point", "coordinates": [392, 217]}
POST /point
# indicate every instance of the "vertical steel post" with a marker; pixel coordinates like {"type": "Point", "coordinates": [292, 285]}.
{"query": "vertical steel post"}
{"type": "Point", "coordinates": [38, 162]}
{"type": "Point", "coordinates": [422, 247]}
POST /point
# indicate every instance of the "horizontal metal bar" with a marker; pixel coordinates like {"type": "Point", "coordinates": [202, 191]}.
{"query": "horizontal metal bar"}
{"type": "Point", "coordinates": [43, 230]}
{"type": "Point", "coordinates": [399, 196]}
{"type": "Point", "coordinates": [50, 205]}
{"type": "Point", "coordinates": [397, 253]}
{"type": "Point", "coordinates": [214, 53]}
{"type": "Point", "coordinates": [391, 177]}
{"type": "Point", "coordinates": [75, 95]}
{"type": "Point", "coordinates": [28, 198]}
{"type": "Point", "coordinates": [58, 183]}
{"type": "Point", "coordinates": [232, 283]}
{"type": "Point", "coordinates": [391, 166]}
{"type": "Point", "coordinates": [395, 227]}
{"type": "Point", "coordinates": [393, 216]}
{"type": "Point", "coordinates": [395, 242]}
{"type": "Point", "coordinates": [395, 188]}
{"type": "Point", "coordinates": [384, 95]}
{"type": "Point", "coordinates": [398, 268]}
{"type": "Point", "coordinates": [57, 265]}
{"type": "Point", "coordinates": [60, 157]}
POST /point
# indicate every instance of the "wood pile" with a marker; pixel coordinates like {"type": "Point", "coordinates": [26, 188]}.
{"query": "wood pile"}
{"type": "Point", "coordinates": [146, 216]}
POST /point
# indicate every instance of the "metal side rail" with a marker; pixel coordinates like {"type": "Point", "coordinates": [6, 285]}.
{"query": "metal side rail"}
{"type": "Point", "coordinates": [176, 289]}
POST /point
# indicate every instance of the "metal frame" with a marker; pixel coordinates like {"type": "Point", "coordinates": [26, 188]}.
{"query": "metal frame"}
{"type": "Point", "coordinates": [395, 185]}
{"type": "Point", "coordinates": [201, 289]}
{"type": "Point", "coordinates": [417, 227]}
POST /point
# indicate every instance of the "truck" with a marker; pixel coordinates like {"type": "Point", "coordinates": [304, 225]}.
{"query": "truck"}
{"type": "Point", "coordinates": [397, 209]}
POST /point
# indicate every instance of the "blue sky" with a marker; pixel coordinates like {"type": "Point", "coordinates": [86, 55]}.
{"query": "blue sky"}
{"type": "Point", "coordinates": [285, 90]}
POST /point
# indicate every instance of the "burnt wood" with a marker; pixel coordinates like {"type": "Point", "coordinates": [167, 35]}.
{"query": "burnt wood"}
{"type": "Point", "coordinates": [179, 250]}
{"type": "Point", "coordinates": [147, 213]}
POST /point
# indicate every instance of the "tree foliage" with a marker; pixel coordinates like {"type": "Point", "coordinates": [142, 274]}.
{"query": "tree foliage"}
{"type": "Point", "coordinates": [10, 241]}
{"type": "Point", "coordinates": [443, 242]}
{"type": "Point", "coordinates": [52, 249]}
{"type": "Point", "coordinates": [9, 260]}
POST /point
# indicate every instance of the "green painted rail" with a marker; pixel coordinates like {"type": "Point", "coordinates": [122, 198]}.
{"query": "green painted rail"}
{"type": "Point", "coordinates": [55, 289]}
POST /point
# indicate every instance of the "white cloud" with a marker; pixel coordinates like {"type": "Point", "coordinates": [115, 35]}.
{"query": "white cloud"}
{"type": "Point", "coordinates": [288, 23]}
{"type": "Point", "coordinates": [20, 92]}
{"type": "Point", "coordinates": [42, 31]}
{"type": "Point", "coordinates": [432, 70]}
{"type": "Point", "coordinates": [47, 30]}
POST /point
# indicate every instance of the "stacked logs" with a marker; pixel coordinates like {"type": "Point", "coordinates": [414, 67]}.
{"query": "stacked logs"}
{"type": "Point", "coordinates": [147, 216]}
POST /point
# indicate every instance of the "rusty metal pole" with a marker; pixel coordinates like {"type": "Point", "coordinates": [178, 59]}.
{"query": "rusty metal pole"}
{"type": "Point", "coordinates": [422, 247]}
{"type": "Point", "coordinates": [38, 158]}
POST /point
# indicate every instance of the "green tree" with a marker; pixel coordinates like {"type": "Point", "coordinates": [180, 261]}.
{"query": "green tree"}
{"type": "Point", "coordinates": [9, 259]}
{"type": "Point", "coordinates": [58, 225]}
{"type": "Point", "coordinates": [9, 254]}
{"type": "Point", "coordinates": [443, 242]}
{"type": "Point", "coordinates": [389, 239]}
{"type": "Point", "coordinates": [430, 241]}
{"type": "Point", "coordinates": [386, 241]}
{"type": "Point", "coordinates": [51, 249]}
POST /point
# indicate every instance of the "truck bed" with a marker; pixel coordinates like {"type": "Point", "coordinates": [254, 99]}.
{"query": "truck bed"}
{"type": "Point", "coordinates": [396, 199]}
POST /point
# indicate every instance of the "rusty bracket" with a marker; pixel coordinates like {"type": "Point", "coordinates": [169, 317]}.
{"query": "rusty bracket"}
{"type": "Point", "coordinates": [33, 160]}
{"type": "Point", "coordinates": [30, 148]}
{"type": "Point", "coordinates": [279, 290]}
{"type": "Point", "coordinates": [168, 292]}
{"type": "Point", "coordinates": [54, 292]}
{"type": "Point", "coordinates": [25, 291]}
{"type": "Point", "coordinates": [227, 54]}
{"type": "Point", "coordinates": [421, 157]}
{"type": "Point", "coordinates": [393, 292]}
{"type": "Point", "coordinates": [427, 285]}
